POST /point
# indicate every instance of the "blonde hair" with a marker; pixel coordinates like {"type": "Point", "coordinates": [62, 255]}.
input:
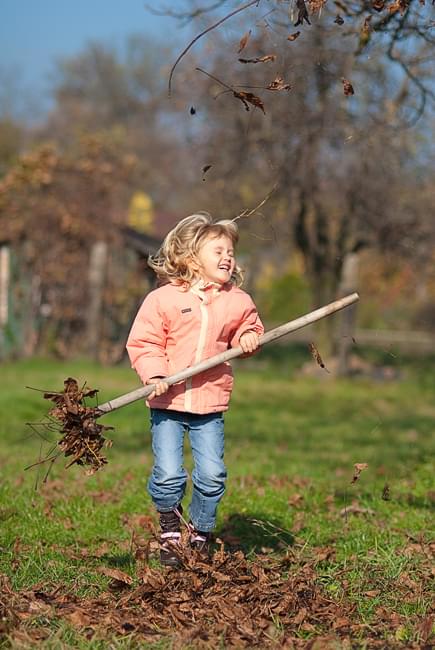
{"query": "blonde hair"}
{"type": "Point", "coordinates": [173, 260]}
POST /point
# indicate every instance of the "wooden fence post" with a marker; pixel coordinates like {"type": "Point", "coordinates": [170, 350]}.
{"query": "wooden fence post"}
{"type": "Point", "coordinates": [5, 276]}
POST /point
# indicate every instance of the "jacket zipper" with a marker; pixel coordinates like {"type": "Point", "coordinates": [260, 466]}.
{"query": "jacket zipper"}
{"type": "Point", "coordinates": [199, 351]}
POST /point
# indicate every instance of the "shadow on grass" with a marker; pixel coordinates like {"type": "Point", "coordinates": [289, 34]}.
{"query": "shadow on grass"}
{"type": "Point", "coordinates": [119, 560]}
{"type": "Point", "coordinates": [254, 532]}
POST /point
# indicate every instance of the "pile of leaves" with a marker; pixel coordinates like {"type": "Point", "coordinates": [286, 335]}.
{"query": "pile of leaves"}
{"type": "Point", "coordinates": [230, 601]}
{"type": "Point", "coordinates": [77, 424]}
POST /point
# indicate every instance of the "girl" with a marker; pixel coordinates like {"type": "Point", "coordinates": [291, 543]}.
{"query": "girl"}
{"type": "Point", "coordinates": [197, 311]}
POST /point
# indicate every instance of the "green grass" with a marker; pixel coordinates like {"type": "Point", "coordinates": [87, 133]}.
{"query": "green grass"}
{"type": "Point", "coordinates": [291, 443]}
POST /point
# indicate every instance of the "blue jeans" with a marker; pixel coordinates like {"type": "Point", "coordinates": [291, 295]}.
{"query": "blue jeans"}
{"type": "Point", "coordinates": [167, 483]}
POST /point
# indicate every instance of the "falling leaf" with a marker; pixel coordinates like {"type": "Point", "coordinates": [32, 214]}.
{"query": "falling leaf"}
{"type": "Point", "coordinates": [192, 110]}
{"type": "Point", "coordinates": [316, 356]}
{"type": "Point", "coordinates": [249, 98]}
{"type": "Point", "coordinates": [302, 13]}
{"type": "Point", "coordinates": [278, 84]}
{"type": "Point", "coordinates": [205, 170]}
{"type": "Point", "coordinates": [339, 20]}
{"type": "Point", "coordinates": [260, 59]}
{"type": "Point", "coordinates": [347, 87]}
{"type": "Point", "coordinates": [399, 5]}
{"type": "Point", "coordinates": [358, 468]}
{"type": "Point", "coordinates": [378, 5]}
{"type": "Point", "coordinates": [244, 41]}
{"type": "Point", "coordinates": [293, 37]}
{"type": "Point", "coordinates": [364, 35]}
{"type": "Point", "coordinates": [316, 5]}
{"type": "Point", "coordinates": [386, 492]}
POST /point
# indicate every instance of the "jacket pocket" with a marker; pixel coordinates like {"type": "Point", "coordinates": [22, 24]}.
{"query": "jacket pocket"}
{"type": "Point", "coordinates": [217, 384]}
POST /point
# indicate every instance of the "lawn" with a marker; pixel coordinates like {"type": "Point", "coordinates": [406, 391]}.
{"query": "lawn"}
{"type": "Point", "coordinates": [356, 556]}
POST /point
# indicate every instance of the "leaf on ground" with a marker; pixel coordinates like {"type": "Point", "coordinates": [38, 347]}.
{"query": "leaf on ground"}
{"type": "Point", "coordinates": [356, 509]}
{"type": "Point", "coordinates": [116, 575]}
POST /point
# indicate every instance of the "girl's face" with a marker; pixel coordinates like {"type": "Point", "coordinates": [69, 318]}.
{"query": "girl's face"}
{"type": "Point", "coordinates": [216, 259]}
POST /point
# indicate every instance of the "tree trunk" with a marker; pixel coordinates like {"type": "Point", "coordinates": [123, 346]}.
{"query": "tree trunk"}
{"type": "Point", "coordinates": [346, 329]}
{"type": "Point", "coordinates": [97, 273]}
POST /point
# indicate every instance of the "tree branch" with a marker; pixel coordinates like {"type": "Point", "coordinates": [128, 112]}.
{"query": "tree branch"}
{"type": "Point", "coordinates": [186, 49]}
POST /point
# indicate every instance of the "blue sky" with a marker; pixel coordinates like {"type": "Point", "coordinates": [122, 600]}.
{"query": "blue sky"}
{"type": "Point", "coordinates": [33, 33]}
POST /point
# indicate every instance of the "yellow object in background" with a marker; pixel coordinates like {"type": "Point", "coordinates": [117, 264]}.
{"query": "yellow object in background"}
{"type": "Point", "coordinates": [141, 213]}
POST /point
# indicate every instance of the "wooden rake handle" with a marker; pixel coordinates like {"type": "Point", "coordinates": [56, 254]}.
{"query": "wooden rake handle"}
{"type": "Point", "coordinates": [272, 335]}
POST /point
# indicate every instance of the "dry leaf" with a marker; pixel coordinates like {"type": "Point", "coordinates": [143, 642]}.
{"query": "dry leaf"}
{"type": "Point", "coordinates": [82, 437]}
{"type": "Point", "coordinates": [300, 616]}
{"type": "Point", "coordinates": [355, 509]}
{"type": "Point", "coordinates": [339, 20]}
{"type": "Point", "coordinates": [378, 5]}
{"type": "Point", "coordinates": [358, 468]}
{"type": "Point", "coordinates": [244, 41]}
{"type": "Point", "coordinates": [293, 37]}
{"type": "Point", "coordinates": [249, 98]}
{"type": "Point", "coordinates": [386, 492]}
{"type": "Point", "coordinates": [316, 5]}
{"type": "Point", "coordinates": [347, 87]}
{"type": "Point", "coordinates": [399, 5]}
{"type": "Point", "coordinates": [316, 356]}
{"type": "Point", "coordinates": [278, 84]}
{"type": "Point", "coordinates": [116, 575]}
{"type": "Point", "coordinates": [260, 59]}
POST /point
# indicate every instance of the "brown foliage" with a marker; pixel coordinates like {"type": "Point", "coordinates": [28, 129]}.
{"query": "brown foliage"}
{"type": "Point", "coordinates": [81, 435]}
{"type": "Point", "coordinates": [54, 206]}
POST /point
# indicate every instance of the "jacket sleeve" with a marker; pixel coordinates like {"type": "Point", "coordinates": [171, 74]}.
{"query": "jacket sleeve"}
{"type": "Point", "coordinates": [249, 321]}
{"type": "Point", "coordinates": [146, 344]}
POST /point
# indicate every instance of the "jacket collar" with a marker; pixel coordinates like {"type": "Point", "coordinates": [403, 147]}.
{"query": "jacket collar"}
{"type": "Point", "coordinates": [201, 288]}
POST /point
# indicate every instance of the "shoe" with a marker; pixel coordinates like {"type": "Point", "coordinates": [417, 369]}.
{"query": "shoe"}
{"type": "Point", "coordinates": [170, 537]}
{"type": "Point", "coordinates": [200, 542]}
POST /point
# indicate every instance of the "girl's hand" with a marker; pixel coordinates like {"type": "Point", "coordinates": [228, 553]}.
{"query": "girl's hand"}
{"type": "Point", "coordinates": [161, 387]}
{"type": "Point", "coordinates": [249, 341]}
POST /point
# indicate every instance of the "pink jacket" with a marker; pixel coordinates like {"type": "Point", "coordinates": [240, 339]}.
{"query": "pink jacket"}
{"type": "Point", "coordinates": [176, 328]}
